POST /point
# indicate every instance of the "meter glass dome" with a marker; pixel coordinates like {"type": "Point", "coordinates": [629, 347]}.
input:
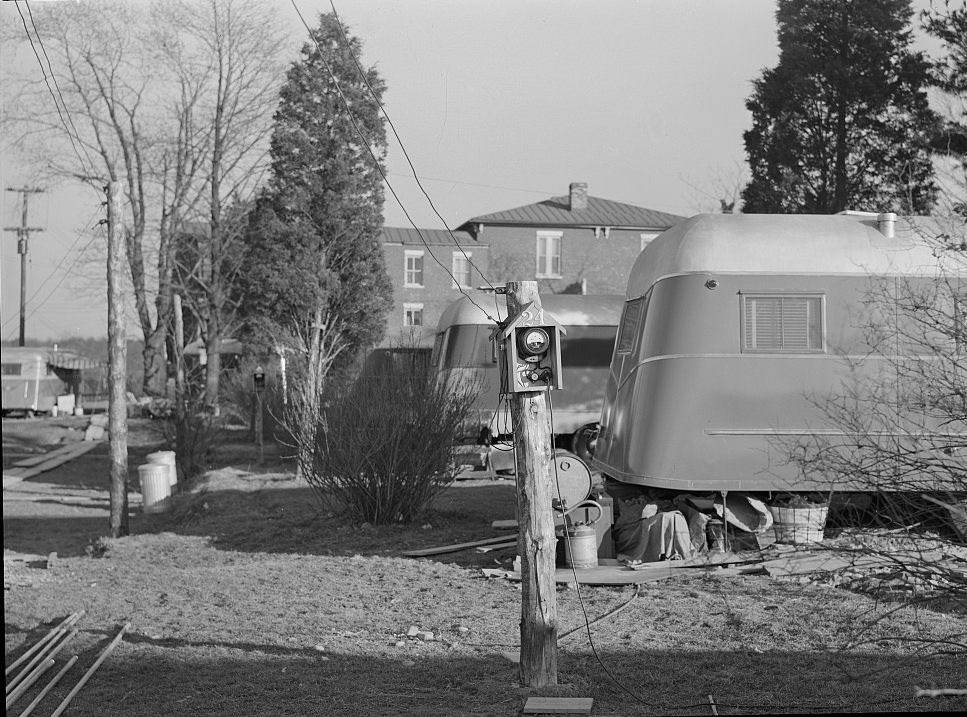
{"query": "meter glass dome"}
{"type": "Point", "coordinates": [535, 341]}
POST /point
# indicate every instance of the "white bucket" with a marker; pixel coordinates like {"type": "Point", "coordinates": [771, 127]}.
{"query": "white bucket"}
{"type": "Point", "coordinates": [166, 458]}
{"type": "Point", "coordinates": [155, 488]}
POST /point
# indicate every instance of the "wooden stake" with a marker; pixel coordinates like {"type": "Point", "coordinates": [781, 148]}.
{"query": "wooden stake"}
{"type": "Point", "coordinates": [87, 675]}
{"type": "Point", "coordinates": [65, 623]}
{"type": "Point", "coordinates": [31, 679]}
{"type": "Point", "coordinates": [117, 370]}
{"type": "Point", "coordinates": [49, 687]}
{"type": "Point", "coordinates": [536, 540]}
{"type": "Point", "coordinates": [41, 656]}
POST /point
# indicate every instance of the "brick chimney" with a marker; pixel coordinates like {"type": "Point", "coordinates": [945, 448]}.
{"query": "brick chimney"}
{"type": "Point", "coordinates": [578, 192]}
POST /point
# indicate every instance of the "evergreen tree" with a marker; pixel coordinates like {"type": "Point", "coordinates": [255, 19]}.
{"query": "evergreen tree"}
{"type": "Point", "coordinates": [842, 122]}
{"type": "Point", "coordinates": [315, 281]}
{"type": "Point", "coordinates": [950, 77]}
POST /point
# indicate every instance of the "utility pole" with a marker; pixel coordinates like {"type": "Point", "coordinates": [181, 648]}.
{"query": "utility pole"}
{"type": "Point", "coordinates": [117, 363]}
{"type": "Point", "coordinates": [536, 541]}
{"type": "Point", "coordinates": [181, 404]}
{"type": "Point", "coordinates": [23, 236]}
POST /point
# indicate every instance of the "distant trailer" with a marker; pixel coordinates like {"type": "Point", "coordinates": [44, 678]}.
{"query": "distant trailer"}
{"type": "Point", "coordinates": [733, 326]}
{"type": "Point", "coordinates": [34, 377]}
{"type": "Point", "coordinates": [463, 351]}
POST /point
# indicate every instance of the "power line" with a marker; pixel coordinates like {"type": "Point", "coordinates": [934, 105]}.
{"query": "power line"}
{"type": "Point", "coordinates": [67, 272]}
{"type": "Point", "coordinates": [57, 105]}
{"type": "Point", "coordinates": [473, 184]}
{"type": "Point", "coordinates": [376, 162]}
{"type": "Point", "coordinates": [406, 154]}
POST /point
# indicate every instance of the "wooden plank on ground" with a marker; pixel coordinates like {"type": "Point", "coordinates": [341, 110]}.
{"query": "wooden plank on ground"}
{"type": "Point", "coordinates": [611, 572]}
{"type": "Point", "coordinates": [559, 705]}
{"type": "Point", "coordinates": [497, 546]}
{"type": "Point", "coordinates": [803, 563]}
{"type": "Point", "coordinates": [453, 548]}
{"type": "Point", "coordinates": [41, 457]}
{"type": "Point", "coordinates": [54, 459]}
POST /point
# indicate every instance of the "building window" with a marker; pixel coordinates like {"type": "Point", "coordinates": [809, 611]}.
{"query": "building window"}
{"type": "Point", "coordinates": [787, 323]}
{"type": "Point", "coordinates": [646, 239]}
{"type": "Point", "coordinates": [549, 255]}
{"type": "Point", "coordinates": [413, 268]}
{"type": "Point", "coordinates": [412, 314]}
{"type": "Point", "coordinates": [461, 269]}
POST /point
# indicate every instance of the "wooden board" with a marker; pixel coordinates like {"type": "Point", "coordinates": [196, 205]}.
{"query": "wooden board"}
{"type": "Point", "coordinates": [510, 524]}
{"type": "Point", "coordinates": [559, 705]}
{"type": "Point", "coordinates": [51, 460]}
{"type": "Point", "coordinates": [816, 562]}
{"type": "Point", "coordinates": [611, 572]}
{"type": "Point", "coordinates": [69, 451]}
{"type": "Point", "coordinates": [453, 548]}
{"type": "Point", "coordinates": [497, 546]}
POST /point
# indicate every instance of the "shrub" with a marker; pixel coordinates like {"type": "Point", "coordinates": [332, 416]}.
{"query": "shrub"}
{"type": "Point", "coordinates": [383, 444]}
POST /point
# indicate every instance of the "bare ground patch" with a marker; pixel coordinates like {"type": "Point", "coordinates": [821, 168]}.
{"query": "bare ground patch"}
{"type": "Point", "coordinates": [249, 597]}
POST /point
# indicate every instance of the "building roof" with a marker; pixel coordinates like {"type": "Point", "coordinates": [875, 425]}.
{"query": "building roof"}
{"type": "Point", "coordinates": [556, 212]}
{"type": "Point", "coordinates": [400, 235]}
{"type": "Point", "coordinates": [58, 358]}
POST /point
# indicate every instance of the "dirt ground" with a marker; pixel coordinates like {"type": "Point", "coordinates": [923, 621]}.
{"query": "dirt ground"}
{"type": "Point", "coordinates": [248, 597]}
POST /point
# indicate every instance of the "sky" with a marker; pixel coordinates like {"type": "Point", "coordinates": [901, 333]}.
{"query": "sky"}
{"type": "Point", "coordinates": [499, 104]}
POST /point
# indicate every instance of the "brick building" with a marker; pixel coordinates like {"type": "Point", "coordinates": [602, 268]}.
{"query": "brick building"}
{"type": "Point", "coordinates": [570, 244]}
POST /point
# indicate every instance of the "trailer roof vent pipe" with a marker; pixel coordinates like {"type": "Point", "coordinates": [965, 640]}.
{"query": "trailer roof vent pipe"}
{"type": "Point", "coordinates": [886, 223]}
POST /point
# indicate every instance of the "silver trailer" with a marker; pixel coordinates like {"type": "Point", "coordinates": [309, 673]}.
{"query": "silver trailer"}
{"type": "Point", "coordinates": [463, 351]}
{"type": "Point", "coordinates": [733, 326]}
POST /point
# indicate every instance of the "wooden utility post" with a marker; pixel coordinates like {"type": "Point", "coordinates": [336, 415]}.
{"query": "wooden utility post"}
{"type": "Point", "coordinates": [181, 405]}
{"type": "Point", "coordinates": [23, 237]}
{"type": "Point", "coordinates": [536, 542]}
{"type": "Point", "coordinates": [117, 363]}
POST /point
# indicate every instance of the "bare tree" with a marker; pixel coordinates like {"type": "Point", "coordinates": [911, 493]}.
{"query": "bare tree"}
{"type": "Point", "coordinates": [895, 432]}
{"type": "Point", "coordinates": [179, 96]}
{"type": "Point", "coordinates": [224, 58]}
{"type": "Point", "coordinates": [90, 116]}
{"type": "Point", "coordinates": [720, 191]}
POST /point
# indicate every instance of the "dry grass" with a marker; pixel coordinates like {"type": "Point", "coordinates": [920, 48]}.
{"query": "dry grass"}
{"type": "Point", "coordinates": [246, 600]}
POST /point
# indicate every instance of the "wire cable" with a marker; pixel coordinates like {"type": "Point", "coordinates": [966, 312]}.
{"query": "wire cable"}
{"type": "Point", "coordinates": [377, 163]}
{"type": "Point", "coordinates": [57, 105]}
{"type": "Point", "coordinates": [567, 539]}
{"type": "Point", "coordinates": [399, 140]}
{"type": "Point", "coordinates": [36, 292]}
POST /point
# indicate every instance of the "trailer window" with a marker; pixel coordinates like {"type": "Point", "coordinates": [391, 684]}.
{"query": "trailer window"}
{"type": "Point", "coordinates": [782, 323]}
{"type": "Point", "coordinates": [435, 353]}
{"type": "Point", "coordinates": [11, 369]}
{"type": "Point", "coordinates": [468, 346]}
{"type": "Point", "coordinates": [588, 346]}
{"type": "Point", "coordinates": [630, 323]}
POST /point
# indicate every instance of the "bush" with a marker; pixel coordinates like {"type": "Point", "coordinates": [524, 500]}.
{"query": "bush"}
{"type": "Point", "coordinates": [383, 445]}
